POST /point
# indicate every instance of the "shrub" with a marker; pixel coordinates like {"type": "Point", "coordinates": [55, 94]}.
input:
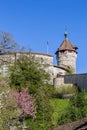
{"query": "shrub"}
{"type": "Point", "coordinates": [67, 89]}
{"type": "Point", "coordinates": [76, 110]}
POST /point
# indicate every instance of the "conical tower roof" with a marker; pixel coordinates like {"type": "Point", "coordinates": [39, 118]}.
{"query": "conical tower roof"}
{"type": "Point", "coordinates": [66, 44]}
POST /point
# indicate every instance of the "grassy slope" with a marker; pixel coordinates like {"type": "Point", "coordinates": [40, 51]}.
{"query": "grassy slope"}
{"type": "Point", "coordinates": [59, 106]}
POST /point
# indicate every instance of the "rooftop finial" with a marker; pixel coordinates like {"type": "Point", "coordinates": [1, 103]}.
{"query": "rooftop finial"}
{"type": "Point", "coordinates": [66, 35]}
{"type": "Point", "coordinates": [47, 46]}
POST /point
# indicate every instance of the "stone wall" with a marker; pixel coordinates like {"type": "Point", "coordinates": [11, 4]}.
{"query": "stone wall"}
{"type": "Point", "coordinates": [9, 58]}
{"type": "Point", "coordinates": [58, 82]}
{"type": "Point", "coordinates": [79, 79]}
{"type": "Point", "coordinates": [45, 60]}
{"type": "Point", "coordinates": [54, 71]}
{"type": "Point", "coordinates": [42, 58]}
{"type": "Point", "coordinates": [67, 59]}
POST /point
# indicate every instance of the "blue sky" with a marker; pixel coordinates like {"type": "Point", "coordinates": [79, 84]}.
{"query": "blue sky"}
{"type": "Point", "coordinates": [34, 22]}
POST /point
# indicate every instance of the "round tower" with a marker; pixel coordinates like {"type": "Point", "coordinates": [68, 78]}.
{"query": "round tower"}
{"type": "Point", "coordinates": [66, 55]}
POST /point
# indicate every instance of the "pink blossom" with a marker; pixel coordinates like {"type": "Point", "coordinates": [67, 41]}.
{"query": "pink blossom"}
{"type": "Point", "coordinates": [25, 102]}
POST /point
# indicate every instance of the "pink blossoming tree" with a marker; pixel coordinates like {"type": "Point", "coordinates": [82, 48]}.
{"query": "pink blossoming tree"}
{"type": "Point", "coordinates": [26, 103]}
{"type": "Point", "coordinates": [15, 105]}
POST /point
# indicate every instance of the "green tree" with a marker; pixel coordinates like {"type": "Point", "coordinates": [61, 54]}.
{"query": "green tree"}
{"type": "Point", "coordinates": [26, 71]}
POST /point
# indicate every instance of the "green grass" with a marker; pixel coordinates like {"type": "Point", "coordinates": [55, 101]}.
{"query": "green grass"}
{"type": "Point", "coordinates": [59, 107]}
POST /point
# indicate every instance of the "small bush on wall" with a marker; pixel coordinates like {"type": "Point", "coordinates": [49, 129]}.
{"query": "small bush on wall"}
{"type": "Point", "coordinates": [67, 89]}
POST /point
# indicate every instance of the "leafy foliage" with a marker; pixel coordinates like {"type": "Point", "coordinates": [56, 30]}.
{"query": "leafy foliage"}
{"type": "Point", "coordinates": [60, 106]}
{"type": "Point", "coordinates": [26, 71]}
{"type": "Point", "coordinates": [76, 110]}
{"type": "Point", "coordinates": [9, 112]}
{"type": "Point", "coordinates": [14, 105]}
{"type": "Point", "coordinates": [44, 108]}
{"type": "Point", "coordinates": [78, 103]}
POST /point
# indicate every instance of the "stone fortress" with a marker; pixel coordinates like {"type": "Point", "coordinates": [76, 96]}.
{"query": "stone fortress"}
{"type": "Point", "coordinates": [66, 56]}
